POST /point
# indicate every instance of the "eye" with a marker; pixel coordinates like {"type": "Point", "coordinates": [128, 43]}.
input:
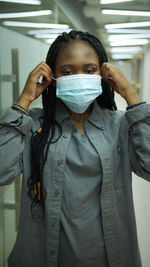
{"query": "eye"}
{"type": "Point", "coordinates": [67, 72]}
{"type": "Point", "coordinates": [89, 71]}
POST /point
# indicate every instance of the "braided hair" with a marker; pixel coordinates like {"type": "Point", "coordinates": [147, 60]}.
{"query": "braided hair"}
{"type": "Point", "coordinates": [42, 139]}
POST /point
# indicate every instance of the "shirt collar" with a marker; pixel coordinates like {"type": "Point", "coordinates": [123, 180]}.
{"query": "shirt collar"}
{"type": "Point", "coordinates": [62, 113]}
{"type": "Point", "coordinates": [95, 117]}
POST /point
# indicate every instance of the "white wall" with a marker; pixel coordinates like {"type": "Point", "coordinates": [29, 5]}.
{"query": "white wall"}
{"type": "Point", "coordinates": [141, 192]}
{"type": "Point", "coordinates": [31, 53]}
{"type": "Point", "coordinates": [141, 187]}
{"type": "Point", "coordinates": [146, 76]}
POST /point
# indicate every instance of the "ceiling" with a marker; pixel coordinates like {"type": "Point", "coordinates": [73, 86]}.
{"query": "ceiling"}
{"type": "Point", "coordinates": [83, 15]}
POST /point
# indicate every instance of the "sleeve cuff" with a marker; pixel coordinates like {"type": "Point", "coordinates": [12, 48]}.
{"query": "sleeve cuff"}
{"type": "Point", "coordinates": [19, 121]}
{"type": "Point", "coordinates": [138, 113]}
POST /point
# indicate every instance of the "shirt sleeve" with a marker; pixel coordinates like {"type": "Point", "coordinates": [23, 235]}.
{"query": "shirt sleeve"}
{"type": "Point", "coordinates": [14, 126]}
{"type": "Point", "coordinates": [139, 139]}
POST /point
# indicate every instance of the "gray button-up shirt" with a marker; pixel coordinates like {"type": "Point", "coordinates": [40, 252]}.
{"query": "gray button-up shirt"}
{"type": "Point", "coordinates": [81, 211]}
{"type": "Point", "coordinates": [122, 142]}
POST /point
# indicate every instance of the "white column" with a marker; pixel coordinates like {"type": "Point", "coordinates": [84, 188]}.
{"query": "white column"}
{"type": "Point", "coordinates": [141, 188]}
{"type": "Point", "coordinates": [146, 76]}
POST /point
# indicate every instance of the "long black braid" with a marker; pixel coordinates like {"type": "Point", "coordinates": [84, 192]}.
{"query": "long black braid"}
{"type": "Point", "coordinates": [42, 139]}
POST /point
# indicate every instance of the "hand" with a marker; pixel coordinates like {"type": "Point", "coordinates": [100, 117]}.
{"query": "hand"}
{"type": "Point", "coordinates": [116, 79]}
{"type": "Point", "coordinates": [33, 89]}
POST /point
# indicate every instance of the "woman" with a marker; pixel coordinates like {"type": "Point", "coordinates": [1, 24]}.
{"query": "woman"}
{"type": "Point", "coordinates": [76, 155]}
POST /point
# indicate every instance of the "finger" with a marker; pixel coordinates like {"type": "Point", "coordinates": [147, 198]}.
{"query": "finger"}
{"type": "Point", "coordinates": [43, 85]}
{"type": "Point", "coordinates": [106, 74]}
{"type": "Point", "coordinates": [36, 76]}
{"type": "Point", "coordinates": [42, 69]}
{"type": "Point", "coordinates": [104, 70]}
{"type": "Point", "coordinates": [107, 71]}
{"type": "Point", "coordinates": [43, 66]}
{"type": "Point", "coordinates": [47, 67]}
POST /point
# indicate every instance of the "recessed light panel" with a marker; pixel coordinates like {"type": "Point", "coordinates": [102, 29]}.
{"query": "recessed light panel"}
{"type": "Point", "coordinates": [127, 25]}
{"type": "Point", "coordinates": [28, 2]}
{"type": "Point", "coordinates": [25, 14]}
{"type": "Point", "coordinates": [125, 12]}
{"type": "Point", "coordinates": [34, 25]}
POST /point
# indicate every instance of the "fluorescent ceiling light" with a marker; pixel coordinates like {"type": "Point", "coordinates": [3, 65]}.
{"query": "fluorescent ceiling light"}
{"type": "Point", "coordinates": [34, 25]}
{"type": "Point", "coordinates": [29, 2]}
{"type": "Point", "coordinates": [130, 42]}
{"type": "Point", "coordinates": [122, 56]}
{"type": "Point", "coordinates": [46, 31]}
{"type": "Point", "coordinates": [130, 49]}
{"type": "Point", "coordinates": [50, 41]}
{"type": "Point", "coordinates": [46, 35]}
{"type": "Point", "coordinates": [125, 12]}
{"type": "Point", "coordinates": [113, 1]}
{"type": "Point", "coordinates": [127, 36]}
{"type": "Point", "coordinates": [25, 14]}
{"type": "Point", "coordinates": [128, 25]}
{"type": "Point", "coordinates": [128, 31]}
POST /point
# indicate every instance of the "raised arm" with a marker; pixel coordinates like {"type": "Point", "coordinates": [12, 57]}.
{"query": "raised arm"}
{"type": "Point", "coordinates": [15, 125]}
{"type": "Point", "coordinates": [138, 119]}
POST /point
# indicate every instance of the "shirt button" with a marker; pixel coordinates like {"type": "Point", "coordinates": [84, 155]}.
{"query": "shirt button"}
{"type": "Point", "coordinates": [59, 162]}
{"type": "Point", "coordinates": [56, 193]}
{"type": "Point", "coordinates": [53, 223]}
{"type": "Point", "coordinates": [64, 136]}
{"type": "Point", "coordinates": [52, 251]}
{"type": "Point", "coordinates": [118, 148]}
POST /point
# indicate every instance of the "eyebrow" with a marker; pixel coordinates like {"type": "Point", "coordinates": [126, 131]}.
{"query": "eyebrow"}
{"type": "Point", "coordinates": [66, 66]}
{"type": "Point", "coordinates": [85, 65]}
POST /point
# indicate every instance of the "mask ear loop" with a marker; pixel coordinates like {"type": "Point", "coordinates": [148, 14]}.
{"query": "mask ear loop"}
{"type": "Point", "coordinates": [53, 78]}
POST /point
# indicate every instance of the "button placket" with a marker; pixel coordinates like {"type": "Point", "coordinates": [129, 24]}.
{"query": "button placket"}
{"type": "Point", "coordinates": [53, 223]}
{"type": "Point", "coordinates": [52, 252]}
{"type": "Point", "coordinates": [56, 193]}
{"type": "Point", "coordinates": [59, 162]}
{"type": "Point", "coordinates": [55, 198]}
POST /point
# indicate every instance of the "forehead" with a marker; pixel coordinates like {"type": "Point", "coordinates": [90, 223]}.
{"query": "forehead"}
{"type": "Point", "coordinates": [75, 51]}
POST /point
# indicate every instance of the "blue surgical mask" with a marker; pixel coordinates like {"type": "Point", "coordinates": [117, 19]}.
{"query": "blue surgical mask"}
{"type": "Point", "coordinates": [78, 91]}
